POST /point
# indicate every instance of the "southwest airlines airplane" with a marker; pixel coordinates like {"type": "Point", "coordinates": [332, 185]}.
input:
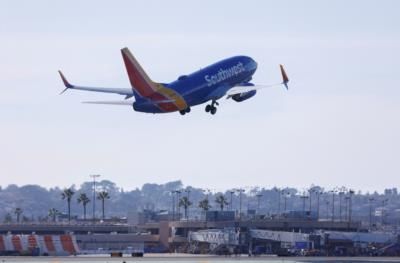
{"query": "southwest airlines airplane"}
{"type": "Point", "coordinates": [230, 77]}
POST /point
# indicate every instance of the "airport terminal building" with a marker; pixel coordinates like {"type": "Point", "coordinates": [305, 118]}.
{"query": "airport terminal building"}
{"type": "Point", "coordinates": [217, 233]}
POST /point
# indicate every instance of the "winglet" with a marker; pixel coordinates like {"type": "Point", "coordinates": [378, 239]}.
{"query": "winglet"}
{"type": "Point", "coordinates": [285, 78]}
{"type": "Point", "coordinates": [66, 83]}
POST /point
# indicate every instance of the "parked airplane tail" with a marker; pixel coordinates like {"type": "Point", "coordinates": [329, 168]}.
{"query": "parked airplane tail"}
{"type": "Point", "coordinates": [140, 81]}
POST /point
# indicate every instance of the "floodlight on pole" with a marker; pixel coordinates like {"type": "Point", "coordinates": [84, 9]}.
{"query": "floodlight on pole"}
{"type": "Point", "coordinates": [370, 211]}
{"type": "Point", "coordinates": [258, 202]}
{"type": "Point", "coordinates": [188, 199]}
{"type": "Point", "coordinates": [240, 190]}
{"type": "Point", "coordinates": [231, 201]}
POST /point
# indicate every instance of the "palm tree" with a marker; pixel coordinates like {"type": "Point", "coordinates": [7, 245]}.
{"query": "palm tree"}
{"type": "Point", "coordinates": [185, 203]}
{"type": "Point", "coordinates": [204, 204]}
{"type": "Point", "coordinates": [221, 201]}
{"type": "Point", "coordinates": [18, 211]}
{"type": "Point", "coordinates": [103, 195]}
{"type": "Point", "coordinates": [84, 200]}
{"type": "Point", "coordinates": [53, 213]}
{"type": "Point", "coordinates": [67, 194]}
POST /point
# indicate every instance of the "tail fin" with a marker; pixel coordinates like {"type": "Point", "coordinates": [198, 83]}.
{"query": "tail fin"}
{"type": "Point", "coordinates": [140, 82]}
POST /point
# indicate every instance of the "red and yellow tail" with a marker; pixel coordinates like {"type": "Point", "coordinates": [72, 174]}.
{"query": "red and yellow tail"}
{"type": "Point", "coordinates": [166, 99]}
{"type": "Point", "coordinates": [140, 82]}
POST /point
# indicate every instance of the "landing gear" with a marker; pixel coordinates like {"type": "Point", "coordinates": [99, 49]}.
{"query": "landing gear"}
{"type": "Point", "coordinates": [211, 107]}
{"type": "Point", "coordinates": [183, 112]}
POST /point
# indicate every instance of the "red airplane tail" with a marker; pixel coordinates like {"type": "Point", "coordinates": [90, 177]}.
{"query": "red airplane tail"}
{"type": "Point", "coordinates": [140, 81]}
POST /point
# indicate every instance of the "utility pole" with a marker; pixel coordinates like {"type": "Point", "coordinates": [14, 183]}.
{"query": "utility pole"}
{"type": "Point", "coordinates": [94, 176]}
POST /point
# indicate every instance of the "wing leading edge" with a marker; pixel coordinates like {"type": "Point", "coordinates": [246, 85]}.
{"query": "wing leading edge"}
{"type": "Point", "coordinates": [127, 92]}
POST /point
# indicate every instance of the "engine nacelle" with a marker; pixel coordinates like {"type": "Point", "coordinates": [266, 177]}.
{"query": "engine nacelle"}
{"type": "Point", "coordinates": [244, 96]}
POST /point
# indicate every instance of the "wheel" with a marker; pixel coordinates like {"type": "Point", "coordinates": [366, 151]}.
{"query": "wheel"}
{"type": "Point", "coordinates": [182, 112]}
{"type": "Point", "coordinates": [208, 108]}
{"type": "Point", "coordinates": [187, 109]}
{"type": "Point", "coordinates": [213, 110]}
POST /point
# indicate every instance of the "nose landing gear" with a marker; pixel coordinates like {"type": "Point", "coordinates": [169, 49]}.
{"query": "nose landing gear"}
{"type": "Point", "coordinates": [211, 107]}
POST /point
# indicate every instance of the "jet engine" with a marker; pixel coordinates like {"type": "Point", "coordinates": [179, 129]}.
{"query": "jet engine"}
{"type": "Point", "coordinates": [244, 96]}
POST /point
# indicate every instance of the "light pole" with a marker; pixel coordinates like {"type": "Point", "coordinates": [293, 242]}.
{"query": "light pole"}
{"type": "Point", "coordinates": [333, 205]}
{"type": "Point", "coordinates": [231, 201]}
{"type": "Point", "coordinates": [310, 191]}
{"type": "Point", "coordinates": [351, 192]}
{"type": "Point", "coordinates": [370, 212]}
{"type": "Point", "coordinates": [285, 199]}
{"type": "Point", "coordinates": [178, 195]}
{"type": "Point", "coordinates": [327, 210]}
{"type": "Point", "coordinates": [258, 202]}
{"type": "Point", "coordinates": [318, 196]}
{"type": "Point", "coordinates": [94, 176]}
{"type": "Point", "coordinates": [207, 191]}
{"type": "Point", "coordinates": [173, 205]}
{"type": "Point", "coordinates": [347, 199]}
{"type": "Point", "coordinates": [187, 210]}
{"type": "Point", "coordinates": [304, 197]}
{"type": "Point", "coordinates": [340, 205]}
{"type": "Point", "coordinates": [240, 190]}
{"type": "Point", "coordinates": [279, 191]}
{"type": "Point", "coordinates": [384, 203]}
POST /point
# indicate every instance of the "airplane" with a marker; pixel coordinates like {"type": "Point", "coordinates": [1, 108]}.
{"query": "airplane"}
{"type": "Point", "coordinates": [229, 77]}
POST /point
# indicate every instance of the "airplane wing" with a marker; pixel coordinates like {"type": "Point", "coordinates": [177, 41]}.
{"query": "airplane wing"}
{"type": "Point", "coordinates": [243, 88]}
{"type": "Point", "coordinates": [127, 102]}
{"type": "Point", "coordinates": [127, 92]}
{"type": "Point", "coordinates": [110, 102]}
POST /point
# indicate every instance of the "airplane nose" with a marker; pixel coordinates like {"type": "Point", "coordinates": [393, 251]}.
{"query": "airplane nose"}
{"type": "Point", "coordinates": [252, 64]}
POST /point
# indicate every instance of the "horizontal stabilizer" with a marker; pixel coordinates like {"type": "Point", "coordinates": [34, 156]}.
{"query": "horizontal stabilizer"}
{"type": "Point", "coordinates": [119, 102]}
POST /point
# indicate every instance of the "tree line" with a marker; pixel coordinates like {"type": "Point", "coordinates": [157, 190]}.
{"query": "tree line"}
{"type": "Point", "coordinates": [36, 203]}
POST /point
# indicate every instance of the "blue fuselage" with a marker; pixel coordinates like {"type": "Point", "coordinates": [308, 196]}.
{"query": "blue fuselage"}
{"type": "Point", "coordinates": [210, 83]}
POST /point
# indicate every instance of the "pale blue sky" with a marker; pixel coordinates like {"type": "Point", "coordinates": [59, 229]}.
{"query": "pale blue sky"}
{"type": "Point", "coordinates": [337, 125]}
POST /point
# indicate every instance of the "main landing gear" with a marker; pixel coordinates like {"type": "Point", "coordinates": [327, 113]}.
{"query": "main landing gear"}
{"type": "Point", "coordinates": [183, 112]}
{"type": "Point", "coordinates": [211, 107]}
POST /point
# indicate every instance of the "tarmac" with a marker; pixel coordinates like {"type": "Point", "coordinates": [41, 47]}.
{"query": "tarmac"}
{"type": "Point", "coordinates": [196, 259]}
